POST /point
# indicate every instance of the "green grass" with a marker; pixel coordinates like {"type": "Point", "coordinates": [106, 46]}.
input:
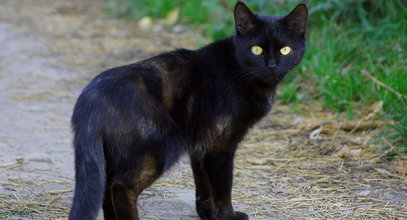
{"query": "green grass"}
{"type": "Point", "coordinates": [346, 38]}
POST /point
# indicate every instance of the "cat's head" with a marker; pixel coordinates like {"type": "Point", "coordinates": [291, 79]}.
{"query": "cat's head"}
{"type": "Point", "coordinates": [268, 47]}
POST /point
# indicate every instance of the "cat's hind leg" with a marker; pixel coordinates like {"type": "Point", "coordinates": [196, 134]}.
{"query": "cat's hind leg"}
{"type": "Point", "coordinates": [138, 167]}
{"type": "Point", "coordinates": [108, 209]}
{"type": "Point", "coordinates": [127, 186]}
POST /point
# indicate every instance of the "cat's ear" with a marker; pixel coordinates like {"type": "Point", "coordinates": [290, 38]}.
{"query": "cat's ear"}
{"type": "Point", "coordinates": [297, 19]}
{"type": "Point", "coordinates": [245, 20]}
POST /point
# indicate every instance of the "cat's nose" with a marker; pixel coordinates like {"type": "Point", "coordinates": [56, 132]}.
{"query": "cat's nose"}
{"type": "Point", "coordinates": [271, 67]}
{"type": "Point", "coordinates": [271, 64]}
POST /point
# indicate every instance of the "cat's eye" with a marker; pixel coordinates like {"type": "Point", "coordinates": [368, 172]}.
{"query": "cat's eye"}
{"type": "Point", "coordinates": [256, 50]}
{"type": "Point", "coordinates": [285, 50]}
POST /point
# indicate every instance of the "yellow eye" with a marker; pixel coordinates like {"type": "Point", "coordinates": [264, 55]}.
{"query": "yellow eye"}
{"type": "Point", "coordinates": [256, 50]}
{"type": "Point", "coordinates": [285, 50]}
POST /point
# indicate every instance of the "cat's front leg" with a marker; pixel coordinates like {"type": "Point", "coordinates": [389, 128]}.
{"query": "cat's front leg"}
{"type": "Point", "coordinates": [219, 170]}
{"type": "Point", "coordinates": [205, 206]}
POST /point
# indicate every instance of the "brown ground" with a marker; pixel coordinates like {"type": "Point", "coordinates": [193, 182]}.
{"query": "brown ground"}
{"type": "Point", "coordinates": [286, 168]}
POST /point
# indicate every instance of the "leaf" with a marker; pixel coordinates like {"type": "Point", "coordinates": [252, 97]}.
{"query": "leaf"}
{"type": "Point", "coordinates": [145, 22]}
{"type": "Point", "coordinates": [359, 125]}
{"type": "Point", "coordinates": [375, 108]}
{"type": "Point", "coordinates": [346, 152]}
{"type": "Point", "coordinates": [314, 135]}
{"type": "Point", "coordinates": [401, 167]}
{"type": "Point", "coordinates": [172, 17]}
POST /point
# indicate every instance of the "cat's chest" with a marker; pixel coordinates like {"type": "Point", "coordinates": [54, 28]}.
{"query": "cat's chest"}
{"type": "Point", "coordinates": [243, 115]}
{"type": "Point", "coordinates": [224, 125]}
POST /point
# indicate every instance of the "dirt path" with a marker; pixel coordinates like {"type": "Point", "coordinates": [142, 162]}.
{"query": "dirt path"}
{"type": "Point", "coordinates": [48, 52]}
{"type": "Point", "coordinates": [51, 48]}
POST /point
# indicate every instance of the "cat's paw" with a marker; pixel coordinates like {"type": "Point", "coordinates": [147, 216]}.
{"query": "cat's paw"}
{"type": "Point", "coordinates": [241, 216]}
{"type": "Point", "coordinates": [237, 216]}
{"type": "Point", "coordinates": [206, 209]}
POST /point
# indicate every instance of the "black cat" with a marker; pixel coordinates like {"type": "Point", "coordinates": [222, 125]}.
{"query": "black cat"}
{"type": "Point", "coordinates": [132, 123]}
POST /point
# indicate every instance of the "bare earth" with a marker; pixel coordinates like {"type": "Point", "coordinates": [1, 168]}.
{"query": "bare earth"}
{"type": "Point", "coordinates": [285, 168]}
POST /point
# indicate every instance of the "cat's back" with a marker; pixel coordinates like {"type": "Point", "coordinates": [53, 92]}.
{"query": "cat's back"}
{"type": "Point", "coordinates": [162, 78]}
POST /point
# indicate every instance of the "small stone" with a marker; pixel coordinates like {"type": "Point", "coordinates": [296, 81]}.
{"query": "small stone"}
{"type": "Point", "coordinates": [364, 193]}
{"type": "Point", "coordinates": [349, 211]}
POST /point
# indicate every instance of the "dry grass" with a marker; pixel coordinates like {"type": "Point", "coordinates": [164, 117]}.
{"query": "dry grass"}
{"type": "Point", "coordinates": [331, 176]}
{"type": "Point", "coordinates": [38, 206]}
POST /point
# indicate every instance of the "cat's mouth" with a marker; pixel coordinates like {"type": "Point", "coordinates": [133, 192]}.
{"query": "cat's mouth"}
{"type": "Point", "coordinates": [273, 75]}
{"type": "Point", "coordinates": [267, 75]}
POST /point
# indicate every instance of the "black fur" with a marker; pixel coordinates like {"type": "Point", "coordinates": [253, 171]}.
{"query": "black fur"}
{"type": "Point", "coordinates": [131, 123]}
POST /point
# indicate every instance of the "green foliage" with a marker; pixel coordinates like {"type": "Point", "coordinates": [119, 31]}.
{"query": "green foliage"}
{"type": "Point", "coordinates": [346, 38]}
{"type": "Point", "coordinates": [350, 38]}
{"type": "Point", "coordinates": [398, 133]}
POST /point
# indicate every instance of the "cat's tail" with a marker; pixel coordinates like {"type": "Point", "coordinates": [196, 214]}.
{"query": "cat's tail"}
{"type": "Point", "coordinates": [90, 171]}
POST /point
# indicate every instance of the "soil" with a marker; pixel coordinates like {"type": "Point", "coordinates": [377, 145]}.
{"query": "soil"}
{"type": "Point", "coordinates": [50, 49]}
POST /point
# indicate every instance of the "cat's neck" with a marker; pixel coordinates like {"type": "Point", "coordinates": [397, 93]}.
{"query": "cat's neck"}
{"type": "Point", "coordinates": [221, 53]}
